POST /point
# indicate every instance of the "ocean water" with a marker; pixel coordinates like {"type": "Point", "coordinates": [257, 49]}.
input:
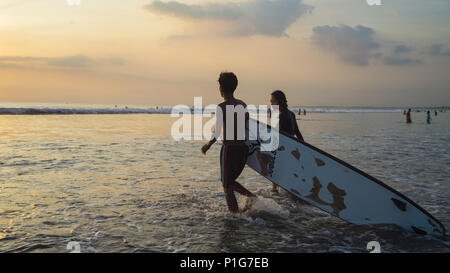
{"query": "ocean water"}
{"type": "Point", "coordinates": [120, 183]}
{"type": "Point", "coordinates": [35, 108]}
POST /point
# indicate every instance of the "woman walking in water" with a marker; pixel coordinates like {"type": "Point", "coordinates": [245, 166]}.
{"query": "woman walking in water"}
{"type": "Point", "coordinates": [287, 120]}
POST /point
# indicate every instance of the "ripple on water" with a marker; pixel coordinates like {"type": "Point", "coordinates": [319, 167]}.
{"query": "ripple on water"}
{"type": "Point", "coordinates": [137, 190]}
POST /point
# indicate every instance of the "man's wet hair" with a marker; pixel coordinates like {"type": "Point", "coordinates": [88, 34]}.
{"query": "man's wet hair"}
{"type": "Point", "coordinates": [228, 82]}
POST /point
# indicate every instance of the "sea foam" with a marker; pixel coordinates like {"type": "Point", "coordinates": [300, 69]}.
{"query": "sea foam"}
{"type": "Point", "coordinates": [267, 205]}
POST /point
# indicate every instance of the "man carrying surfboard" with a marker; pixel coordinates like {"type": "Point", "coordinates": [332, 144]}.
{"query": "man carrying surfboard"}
{"type": "Point", "coordinates": [287, 120]}
{"type": "Point", "coordinates": [234, 151]}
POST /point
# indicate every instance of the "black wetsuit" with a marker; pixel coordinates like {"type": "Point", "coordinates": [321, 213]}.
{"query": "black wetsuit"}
{"type": "Point", "coordinates": [288, 124]}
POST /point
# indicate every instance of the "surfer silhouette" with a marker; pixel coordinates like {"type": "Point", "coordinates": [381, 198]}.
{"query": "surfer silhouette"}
{"type": "Point", "coordinates": [287, 120]}
{"type": "Point", "coordinates": [234, 151]}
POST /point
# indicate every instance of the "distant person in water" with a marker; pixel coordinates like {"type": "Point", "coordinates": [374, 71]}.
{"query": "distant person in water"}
{"type": "Point", "coordinates": [234, 152]}
{"type": "Point", "coordinates": [428, 117]}
{"type": "Point", "coordinates": [288, 122]}
{"type": "Point", "coordinates": [408, 116]}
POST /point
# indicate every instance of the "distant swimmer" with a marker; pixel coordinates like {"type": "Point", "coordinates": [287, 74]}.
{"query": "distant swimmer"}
{"type": "Point", "coordinates": [428, 117]}
{"type": "Point", "coordinates": [234, 152]}
{"type": "Point", "coordinates": [287, 121]}
{"type": "Point", "coordinates": [408, 116]}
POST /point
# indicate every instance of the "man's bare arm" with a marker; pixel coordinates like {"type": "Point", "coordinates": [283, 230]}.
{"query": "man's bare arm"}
{"type": "Point", "coordinates": [217, 131]}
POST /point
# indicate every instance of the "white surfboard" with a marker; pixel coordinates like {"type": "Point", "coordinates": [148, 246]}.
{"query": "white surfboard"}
{"type": "Point", "coordinates": [337, 187]}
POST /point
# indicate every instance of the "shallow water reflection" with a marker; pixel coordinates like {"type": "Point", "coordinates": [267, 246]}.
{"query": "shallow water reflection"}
{"type": "Point", "coordinates": [119, 183]}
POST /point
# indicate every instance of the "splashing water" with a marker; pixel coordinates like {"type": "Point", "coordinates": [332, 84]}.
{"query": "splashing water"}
{"type": "Point", "coordinates": [265, 205]}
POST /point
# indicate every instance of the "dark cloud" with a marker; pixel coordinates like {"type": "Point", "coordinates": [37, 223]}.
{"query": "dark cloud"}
{"type": "Point", "coordinates": [402, 49]}
{"type": "Point", "coordinates": [256, 17]}
{"type": "Point", "coordinates": [228, 11]}
{"type": "Point", "coordinates": [72, 61]}
{"type": "Point", "coordinates": [437, 50]}
{"type": "Point", "coordinates": [401, 55]}
{"type": "Point", "coordinates": [76, 61]}
{"type": "Point", "coordinates": [394, 60]}
{"type": "Point", "coordinates": [114, 61]}
{"type": "Point", "coordinates": [352, 45]}
{"type": "Point", "coordinates": [359, 45]}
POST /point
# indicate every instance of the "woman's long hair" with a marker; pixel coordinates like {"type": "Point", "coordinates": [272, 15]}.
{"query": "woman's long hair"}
{"type": "Point", "coordinates": [281, 98]}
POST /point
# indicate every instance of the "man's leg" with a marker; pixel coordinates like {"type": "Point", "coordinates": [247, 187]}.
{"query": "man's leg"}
{"type": "Point", "coordinates": [240, 189]}
{"type": "Point", "coordinates": [233, 162]}
{"type": "Point", "coordinates": [227, 189]}
{"type": "Point", "coordinates": [274, 187]}
{"type": "Point", "coordinates": [231, 199]}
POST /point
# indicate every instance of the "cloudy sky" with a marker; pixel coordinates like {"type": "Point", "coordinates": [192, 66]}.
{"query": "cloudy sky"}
{"type": "Point", "coordinates": [322, 52]}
